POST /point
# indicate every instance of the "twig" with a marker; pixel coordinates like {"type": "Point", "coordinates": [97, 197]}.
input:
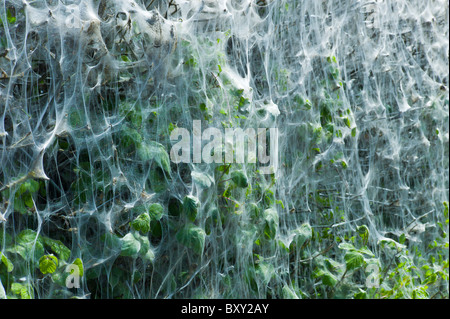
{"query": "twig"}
{"type": "Point", "coordinates": [223, 181]}
{"type": "Point", "coordinates": [20, 141]}
{"type": "Point", "coordinates": [416, 219]}
{"type": "Point", "coordinates": [339, 282]}
{"type": "Point", "coordinates": [318, 254]}
{"type": "Point", "coordinates": [17, 181]}
{"type": "Point", "coordinates": [223, 173]}
{"type": "Point", "coordinates": [230, 199]}
{"type": "Point", "coordinates": [151, 2]}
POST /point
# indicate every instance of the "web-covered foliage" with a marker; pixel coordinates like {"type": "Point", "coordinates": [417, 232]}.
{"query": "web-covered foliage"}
{"type": "Point", "coordinates": [90, 91]}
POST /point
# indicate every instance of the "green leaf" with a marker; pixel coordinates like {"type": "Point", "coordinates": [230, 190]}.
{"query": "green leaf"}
{"type": "Point", "coordinates": [366, 251]}
{"type": "Point", "coordinates": [271, 222]}
{"type": "Point", "coordinates": [203, 180]}
{"type": "Point", "coordinates": [265, 271]}
{"type": "Point", "coordinates": [25, 293]}
{"type": "Point", "coordinates": [28, 186]}
{"type": "Point", "coordinates": [58, 248]}
{"type": "Point", "coordinates": [148, 256]}
{"type": "Point", "coordinates": [347, 246]}
{"type": "Point", "coordinates": [141, 223]}
{"type": "Point", "coordinates": [289, 293]}
{"type": "Point", "coordinates": [361, 294]}
{"type": "Point", "coordinates": [445, 209]}
{"type": "Point", "coordinates": [157, 180]}
{"type": "Point", "coordinates": [302, 234]}
{"type": "Point", "coordinates": [402, 239]}
{"type": "Point", "coordinates": [23, 290]}
{"type": "Point", "coordinates": [156, 211]}
{"type": "Point", "coordinates": [353, 260]}
{"type": "Point", "coordinates": [347, 122]}
{"type": "Point", "coordinates": [9, 265]}
{"type": "Point", "coordinates": [391, 244]}
{"type": "Point", "coordinates": [146, 252]}
{"type": "Point", "coordinates": [363, 231]}
{"type": "Point", "coordinates": [9, 17]}
{"type": "Point", "coordinates": [16, 287]}
{"type": "Point", "coordinates": [363, 250]}
{"type": "Point", "coordinates": [19, 206]}
{"type": "Point", "coordinates": [112, 241]}
{"type": "Point", "coordinates": [78, 262]}
{"type": "Point", "coordinates": [190, 206]}
{"type": "Point", "coordinates": [193, 237]}
{"type": "Point", "coordinates": [28, 200]}
{"type": "Point", "coordinates": [130, 137]}
{"type": "Point", "coordinates": [116, 276]}
{"type": "Point", "coordinates": [331, 264]}
{"type": "Point", "coordinates": [75, 119]}
{"type": "Point", "coordinates": [329, 279]}
{"type": "Point", "coordinates": [283, 245]}
{"type": "Point", "coordinates": [29, 245]}
{"type": "Point", "coordinates": [48, 264]}
{"type": "Point", "coordinates": [130, 245]}
{"type": "Point", "coordinates": [154, 151]}
{"type": "Point", "coordinates": [239, 178]}
{"type": "Point", "coordinates": [254, 211]}
{"type": "Point", "coordinates": [28, 236]}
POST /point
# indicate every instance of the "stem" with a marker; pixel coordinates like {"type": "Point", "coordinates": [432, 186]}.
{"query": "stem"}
{"type": "Point", "coordinates": [17, 181]}
{"type": "Point", "coordinates": [225, 170]}
{"type": "Point", "coordinates": [339, 282]}
{"type": "Point", "coordinates": [386, 271]}
{"type": "Point", "coordinates": [318, 254]}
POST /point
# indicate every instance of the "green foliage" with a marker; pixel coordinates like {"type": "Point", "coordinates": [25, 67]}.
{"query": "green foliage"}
{"type": "Point", "coordinates": [23, 291]}
{"type": "Point", "coordinates": [363, 231]}
{"type": "Point", "coordinates": [29, 245]}
{"type": "Point", "coordinates": [239, 178]}
{"type": "Point", "coordinates": [328, 279]}
{"type": "Point", "coordinates": [78, 262]}
{"type": "Point", "coordinates": [391, 245]}
{"type": "Point", "coordinates": [265, 272]}
{"type": "Point", "coordinates": [302, 235]}
{"type": "Point", "coordinates": [271, 219]}
{"type": "Point", "coordinates": [155, 211]}
{"type": "Point", "coordinates": [192, 237]}
{"type": "Point", "coordinates": [48, 264]}
{"type": "Point", "coordinates": [203, 180]}
{"type": "Point", "coordinates": [8, 264]}
{"type": "Point", "coordinates": [130, 245]}
{"type": "Point", "coordinates": [190, 207]}
{"type": "Point", "coordinates": [57, 247]}
{"type": "Point", "coordinates": [353, 260]}
{"type": "Point", "coordinates": [23, 198]}
{"type": "Point", "coordinates": [142, 223]}
{"type": "Point", "coordinates": [289, 293]}
{"type": "Point", "coordinates": [158, 180]}
{"type": "Point", "coordinates": [351, 248]}
{"type": "Point", "coordinates": [153, 151]}
{"type": "Point", "coordinates": [146, 252]}
{"type": "Point", "coordinates": [9, 17]}
{"type": "Point", "coordinates": [113, 195]}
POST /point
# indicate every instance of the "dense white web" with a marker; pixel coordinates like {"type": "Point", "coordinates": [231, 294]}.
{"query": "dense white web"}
{"type": "Point", "coordinates": [90, 91]}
